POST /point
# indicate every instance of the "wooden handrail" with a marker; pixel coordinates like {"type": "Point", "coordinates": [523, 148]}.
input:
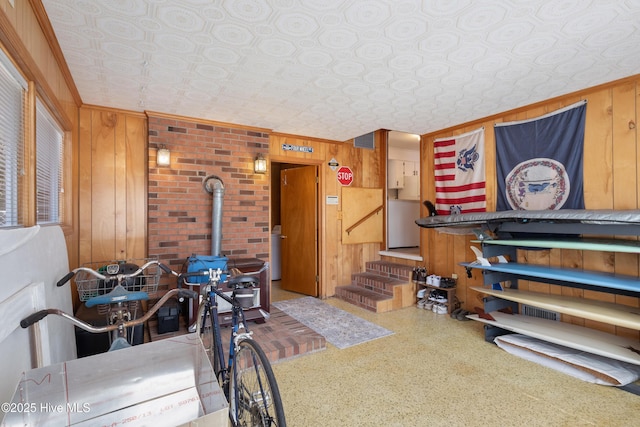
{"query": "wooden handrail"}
{"type": "Point", "coordinates": [364, 218]}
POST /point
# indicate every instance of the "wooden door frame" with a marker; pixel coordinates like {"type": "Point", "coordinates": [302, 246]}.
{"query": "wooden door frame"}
{"type": "Point", "coordinates": [320, 214]}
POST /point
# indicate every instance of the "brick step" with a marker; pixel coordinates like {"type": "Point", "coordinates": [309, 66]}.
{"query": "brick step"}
{"type": "Point", "coordinates": [374, 282]}
{"type": "Point", "coordinates": [390, 269]}
{"type": "Point", "coordinates": [364, 298]}
{"type": "Point", "coordinates": [384, 286]}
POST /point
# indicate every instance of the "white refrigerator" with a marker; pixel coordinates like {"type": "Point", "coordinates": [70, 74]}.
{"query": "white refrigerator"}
{"type": "Point", "coordinates": [402, 230]}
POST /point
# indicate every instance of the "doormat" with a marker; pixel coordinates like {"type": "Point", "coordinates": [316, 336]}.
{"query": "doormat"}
{"type": "Point", "coordinates": [340, 328]}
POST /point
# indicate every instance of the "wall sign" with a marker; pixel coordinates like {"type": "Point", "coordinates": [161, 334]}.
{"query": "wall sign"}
{"type": "Point", "coordinates": [333, 164]}
{"type": "Point", "coordinates": [345, 175]}
{"type": "Point", "coordinates": [298, 148]}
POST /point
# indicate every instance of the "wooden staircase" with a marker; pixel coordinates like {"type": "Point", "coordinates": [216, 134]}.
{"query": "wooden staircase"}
{"type": "Point", "coordinates": [384, 286]}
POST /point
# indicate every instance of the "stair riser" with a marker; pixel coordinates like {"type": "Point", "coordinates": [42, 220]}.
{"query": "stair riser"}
{"type": "Point", "coordinates": [359, 300]}
{"type": "Point", "coordinates": [393, 271]}
{"type": "Point", "coordinates": [371, 284]}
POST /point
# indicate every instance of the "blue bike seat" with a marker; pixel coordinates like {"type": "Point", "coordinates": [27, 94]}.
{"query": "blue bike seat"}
{"type": "Point", "coordinates": [118, 344]}
{"type": "Point", "coordinates": [118, 294]}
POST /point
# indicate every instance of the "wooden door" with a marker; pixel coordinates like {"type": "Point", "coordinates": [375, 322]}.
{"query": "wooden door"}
{"type": "Point", "coordinates": [299, 219]}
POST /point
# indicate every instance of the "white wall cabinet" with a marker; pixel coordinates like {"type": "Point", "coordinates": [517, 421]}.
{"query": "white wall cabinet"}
{"type": "Point", "coordinates": [411, 188]}
{"type": "Point", "coordinates": [395, 174]}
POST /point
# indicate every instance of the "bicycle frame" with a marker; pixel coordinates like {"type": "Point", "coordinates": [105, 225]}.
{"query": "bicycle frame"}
{"type": "Point", "coordinates": [245, 375]}
{"type": "Point", "coordinates": [237, 321]}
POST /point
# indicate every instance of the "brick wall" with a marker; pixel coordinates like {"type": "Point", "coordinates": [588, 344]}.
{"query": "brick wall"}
{"type": "Point", "coordinates": [179, 206]}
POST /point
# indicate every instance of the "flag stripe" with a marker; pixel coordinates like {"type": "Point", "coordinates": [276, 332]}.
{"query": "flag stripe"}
{"type": "Point", "coordinates": [460, 173]}
{"type": "Point", "coordinates": [467, 187]}
{"type": "Point", "coordinates": [459, 200]}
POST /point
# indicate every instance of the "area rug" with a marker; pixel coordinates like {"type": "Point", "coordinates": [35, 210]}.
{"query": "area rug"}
{"type": "Point", "coordinates": [339, 328]}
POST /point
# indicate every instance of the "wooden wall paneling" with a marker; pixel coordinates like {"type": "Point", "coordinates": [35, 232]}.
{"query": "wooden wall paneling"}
{"type": "Point", "coordinates": [598, 151]}
{"type": "Point", "coordinates": [85, 186]}
{"type": "Point", "coordinates": [120, 197]}
{"type": "Point", "coordinates": [355, 254]}
{"type": "Point", "coordinates": [490, 165]}
{"type": "Point", "coordinates": [136, 186]}
{"type": "Point", "coordinates": [625, 177]}
{"type": "Point", "coordinates": [426, 169]}
{"type": "Point", "coordinates": [331, 260]}
{"type": "Point", "coordinates": [635, 124]}
{"type": "Point", "coordinates": [624, 174]}
{"type": "Point", "coordinates": [103, 188]}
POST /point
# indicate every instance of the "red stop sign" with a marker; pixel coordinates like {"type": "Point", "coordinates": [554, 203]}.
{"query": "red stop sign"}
{"type": "Point", "coordinates": [345, 176]}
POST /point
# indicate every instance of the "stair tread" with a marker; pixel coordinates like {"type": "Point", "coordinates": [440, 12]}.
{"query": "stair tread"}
{"type": "Point", "coordinates": [391, 264]}
{"type": "Point", "coordinates": [384, 279]}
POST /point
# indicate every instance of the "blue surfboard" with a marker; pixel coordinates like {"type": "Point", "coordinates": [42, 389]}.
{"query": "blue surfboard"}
{"type": "Point", "coordinates": [591, 278]}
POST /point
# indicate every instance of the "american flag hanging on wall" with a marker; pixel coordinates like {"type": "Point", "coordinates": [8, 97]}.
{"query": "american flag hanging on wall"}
{"type": "Point", "coordinates": [460, 174]}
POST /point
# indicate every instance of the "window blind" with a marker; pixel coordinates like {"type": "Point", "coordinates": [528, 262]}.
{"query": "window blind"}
{"type": "Point", "coordinates": [49, 138]}
{"type": "Point", "coordinates": [12, 103]}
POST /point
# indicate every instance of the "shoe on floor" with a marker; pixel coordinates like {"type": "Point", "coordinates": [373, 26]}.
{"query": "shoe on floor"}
{"type": "Point", "coordinates": [462, 315]}
{"type": "Point", "coordinates": [455, 312]}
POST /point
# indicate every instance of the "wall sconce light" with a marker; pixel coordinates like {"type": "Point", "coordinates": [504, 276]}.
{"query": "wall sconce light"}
{"type": "Point", "coordinates": [163, 156]}
{"type": "Point", "coordinates": [260, 164]}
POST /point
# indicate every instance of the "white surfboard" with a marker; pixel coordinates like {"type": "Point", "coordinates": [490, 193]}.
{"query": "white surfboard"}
{"type": "Point", "coordinates": [600, 311]}
{"type": "Point", "coordinates": [583, 244]}
{"type": "Point", "coordinates": [568, 335]}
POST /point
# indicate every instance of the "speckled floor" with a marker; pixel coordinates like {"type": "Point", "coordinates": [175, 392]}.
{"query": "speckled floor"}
{"type": "Point", "coordinates": [436, 371]}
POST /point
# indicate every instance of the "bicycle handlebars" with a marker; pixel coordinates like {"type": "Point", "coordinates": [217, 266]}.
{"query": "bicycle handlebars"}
{"type": "Point", "coordinates": [98, 275]}
{"type": "Point", "coordinates": [123, 295]}
{"type": "Point", "coordinates": [240, 281]}
{"type": "Point", "coordinates": [39, 315]}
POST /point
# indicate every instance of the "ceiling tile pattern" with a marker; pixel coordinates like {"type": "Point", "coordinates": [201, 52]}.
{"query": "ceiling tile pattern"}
{"type": "Point", "coordinates": [338, 69]}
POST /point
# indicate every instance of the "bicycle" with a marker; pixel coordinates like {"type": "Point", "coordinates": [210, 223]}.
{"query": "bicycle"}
{"type": "Point", "coordinates": [247, 378]}
{"type": "Point", "coordinates": [117, 293]}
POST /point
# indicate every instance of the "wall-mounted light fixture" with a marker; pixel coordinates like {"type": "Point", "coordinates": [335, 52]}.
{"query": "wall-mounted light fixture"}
{"type": "Point", "coordinates": [260, 164]}
{"type": "Point", "coordinates": [163, 156]}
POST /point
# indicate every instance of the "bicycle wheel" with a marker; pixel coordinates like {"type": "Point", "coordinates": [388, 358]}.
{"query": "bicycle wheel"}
{"type": "Point", "coordinates": [210, 339]}
{"type": "Point", "coordinates": [254, 398]}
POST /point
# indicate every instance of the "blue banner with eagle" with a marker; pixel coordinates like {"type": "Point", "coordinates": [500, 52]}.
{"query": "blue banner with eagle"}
{"type": "Point", "coordinates": [460, 173]}
{"type": "Point", "coordinates": [539, 161]}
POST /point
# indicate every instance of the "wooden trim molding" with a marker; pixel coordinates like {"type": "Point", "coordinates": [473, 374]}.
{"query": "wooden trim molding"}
{"type": "Point", "coordinates": [20, 54]}
{"type": "Point", "coordinates": [52, 40]}
{"type": "Point", "coordinates": [205, 121]}
{"type": "Point", "coordinates": [115, 110]}
{"type": "Point", "coordinates": [579, 93]}
{"type": "Point", "coordinates": [309, 138]}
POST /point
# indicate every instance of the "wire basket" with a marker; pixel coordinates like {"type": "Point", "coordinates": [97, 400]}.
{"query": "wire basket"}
{"type": "Point", "coordinates": [90, 286]}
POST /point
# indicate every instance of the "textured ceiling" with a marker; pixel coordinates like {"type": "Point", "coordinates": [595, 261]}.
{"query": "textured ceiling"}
{"type": "Point", "coordinates": [339, 69]}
